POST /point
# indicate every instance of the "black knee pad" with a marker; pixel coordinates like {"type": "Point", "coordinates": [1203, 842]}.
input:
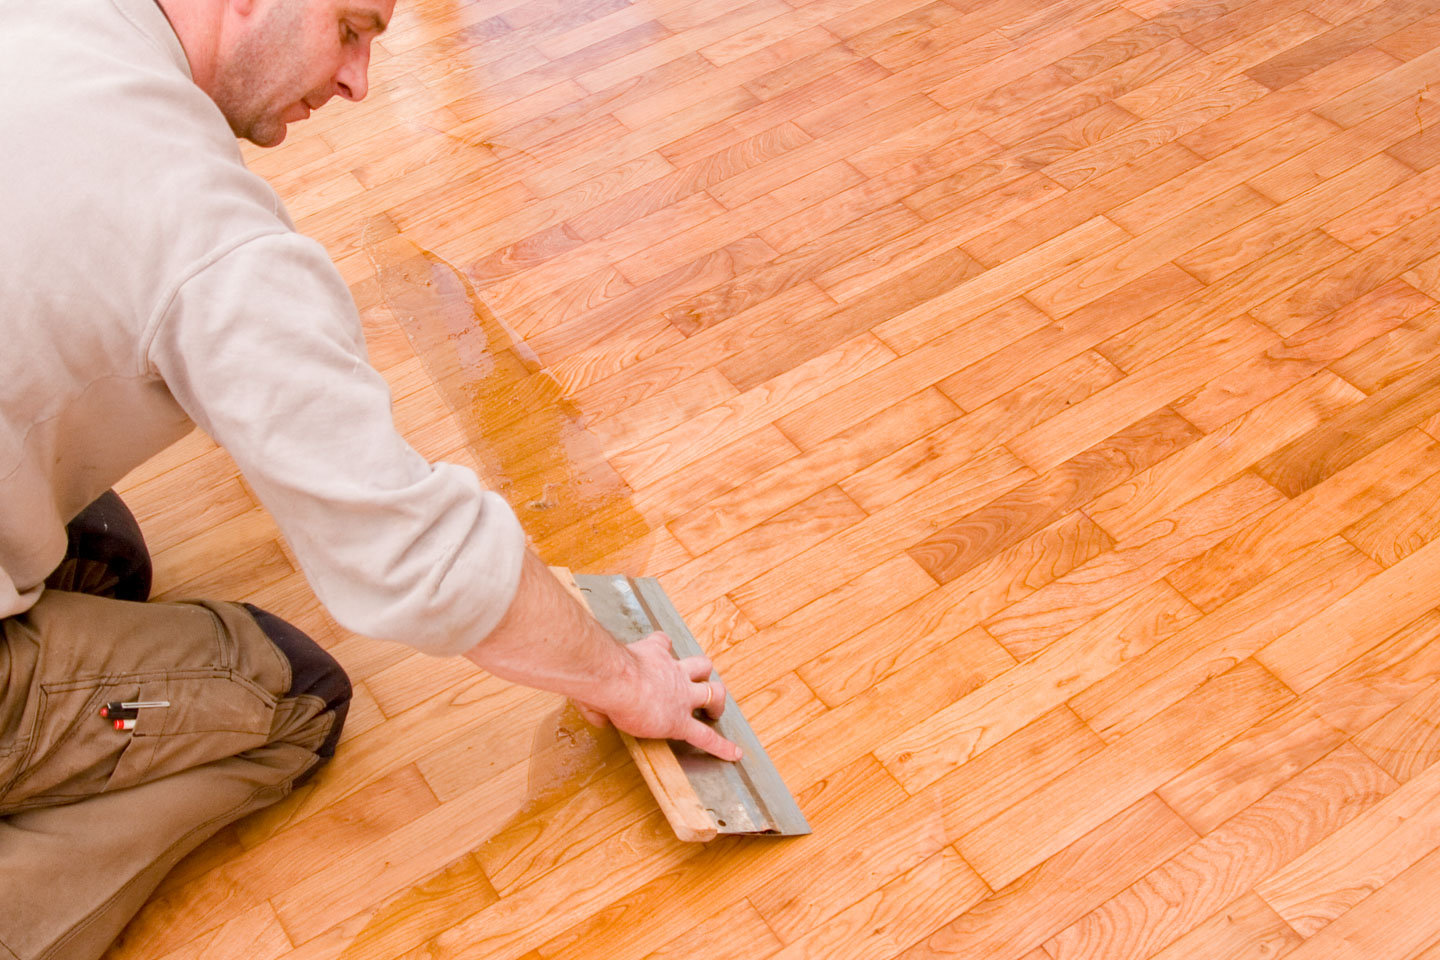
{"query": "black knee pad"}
{"type": "Point", "coordinates": [106, 554]}
{"type": "Point", "coordinates": [312, 671]}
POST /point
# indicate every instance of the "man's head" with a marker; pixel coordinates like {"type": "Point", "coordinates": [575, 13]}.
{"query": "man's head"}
{"type": "Point", "coordinates": [267, 63]}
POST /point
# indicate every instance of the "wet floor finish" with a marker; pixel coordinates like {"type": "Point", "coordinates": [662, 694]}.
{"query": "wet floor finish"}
{"type": "Point", "coordinates": [528, 437]}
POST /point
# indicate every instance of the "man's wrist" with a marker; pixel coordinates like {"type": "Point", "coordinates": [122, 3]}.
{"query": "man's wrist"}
{"type": "Point", "coordinates": [618, 681]}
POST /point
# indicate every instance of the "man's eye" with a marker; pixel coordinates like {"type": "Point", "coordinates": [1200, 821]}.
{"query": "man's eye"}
{"type": "Point", "coordinates": [349, 35]}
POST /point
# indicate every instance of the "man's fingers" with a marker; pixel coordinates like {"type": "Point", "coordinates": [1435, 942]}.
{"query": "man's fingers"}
{"type": "Point", "coordinates": [657, 639]}
{"type": "Point", "coordinates": [591, 716]}
{"type": "Point", "coordinates": [710, 697]}
{"type": "Point", "coordinates": [699, 735]}
{"type": "Point", "coordinates": [697, 668]}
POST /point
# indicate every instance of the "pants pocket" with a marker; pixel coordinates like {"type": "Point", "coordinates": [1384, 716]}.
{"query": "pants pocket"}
{"type": "Point", "coordinates": [208, 718]}
{"type": "Point", "coordinates": [75, 753]}
{"type": "Point", "coordinates": [218, 675]}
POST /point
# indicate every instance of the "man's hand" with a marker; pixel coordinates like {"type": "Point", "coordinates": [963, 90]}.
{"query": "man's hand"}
{"type": "Point", "coordinates": [548, 640]}
{"type": "Point", "coordinates": [663, 698]}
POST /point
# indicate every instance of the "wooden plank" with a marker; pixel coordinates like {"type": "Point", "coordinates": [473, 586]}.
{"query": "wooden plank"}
{"type": "Point", "coordinates": [1074, 207]}
{"type": "Point", "coordinates": [1394, 355]}
{"type": "Point", "coordinates": [1395, 921]}
{"type": "Point", "coordinates": [222, 896]}
{"type": "Point", "coordinates": [767, 597]}
{"type": "Point", "coordinates": [525, 920]}
{"type": "Point", "coordinates": [1035, 686]}
{"type": "Point", "coordinates": [736, 934]}
{"type": "Point", "coordinates": [902, 838]}
{"type": "Point", "coordinates": [1139, 393]}
{"type": "Point", "coordinates": [1014, 768]}
{"type": "Point", "coordinates": [1388, 212]}
{"type": "Point", "coordinates": [986, 194]}
{"type": "Point", "coordinates": [255, 934]}
{"type": "Point", "coordinates": [599, 220]}
{"type": "Point", "coordinates": [1404, 742]}
{"type": "Point", "coordinates": [904, 181]}
{"type": "Point", "coordinates": [1411, 41]}
{"type": "Point", "coordinates": [983, 381]}
{"type": "Point", "coordinates": [1254, 119]}
{"type": "Point", "coordinates": [827, 462]}
{"type": "Point", "coordinates": [1218, 177]}
{"type": "Point", "coordinates": [1133, 565]}
{"type": "Point", "coordinates": [1155, 492]}
{"type": "Point", "coordinates": [378, 871]}
{"type": "Point", "coordinates": [1316, 647]}
{"type": "Point", "coordinates": [1338, 873]}
{"type": "Point", "coordinates": [1364, 271]}
{"type": "Point", "coordinates": [1211, 30]}
{"type": "Point", "coordinates": [1055, 42]}
{"type": "Point", "coordinates": [930, 456]}
{"type": "Point", "coordinates": [1228, 862]}
{"type": "Point", "coordinates": [1250, 766]}
{"type": "Point", "coordinates": [730, 295]}
{"type": "Point", "coordinates": [924, 625]}
{"type": "Point", "coordinates": [1222, 301]}
{"type": "Point", "coordinates": [1355, 34]}
{"type": "Point", "coordinates": [772, 356]}
{"type": "Point", "coordinates": [890, 919]}
{"type": "Point", "coordinates": [1183, 84]}
{"type": "Point", "coordinates": [572, 811]}
{"type": "Point", "coordinates": [1301, 354]}
{"type": "Point", "coordinates": [960, 547]}
{"type": "Point", "coordinates": [1386, 677]}
{"type": "Point", "coordinates": [1048, 899]}
{"type": "Point", "coordinates": [1245, 929]}
{"type": "Point", "coordinates": [1066, 808]}
{"type": "Point", "coordinates": [788, 534]}
{"type": "Point", "coordinates": [1151, 249]}
{"type": "Point", "coordinates": [1399, 528]}
{"type": "Point", "coordinates": [922, 366]}
{"type": "Point", "coordinates": [1227, 569]}
{"type": "Point", "coordinates": [894, 704]}
{"type": "Point", "coordinates": [654, 371]}
{"type": "Point", "coordinates": [998, 285]}
{"type": "Point", "coordinates": [1347, 190]}
{"type": "Point", "coordinates": [1359, 430]}
{"type": "Point", "coordinates": [1154, 680]}
{"type": "Point", "coordinates": [655, 457]}
{"type": "Point", "coordinates": [825, 624]}
{"type": "Point", "coordinates": [1140, 139]}
{"type": "Point", "coordinates": [842, 805]}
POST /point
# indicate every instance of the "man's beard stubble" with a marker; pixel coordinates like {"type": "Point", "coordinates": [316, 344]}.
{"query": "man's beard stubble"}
{"type": "Point", "coordinates": [259, 72]}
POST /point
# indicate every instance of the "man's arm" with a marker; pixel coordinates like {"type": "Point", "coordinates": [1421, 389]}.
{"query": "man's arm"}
{"type": "Point", "coordinates": [263, 350]}
{"type": "Point", "coordinates": [547, 639]}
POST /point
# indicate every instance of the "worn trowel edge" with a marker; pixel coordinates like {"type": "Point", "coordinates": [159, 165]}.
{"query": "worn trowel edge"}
{"type": "Point", "coordinates": [701, 795]}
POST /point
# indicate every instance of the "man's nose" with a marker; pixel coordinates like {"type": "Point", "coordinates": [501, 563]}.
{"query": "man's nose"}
{"type": "Point", "coordinates": [352, 81]}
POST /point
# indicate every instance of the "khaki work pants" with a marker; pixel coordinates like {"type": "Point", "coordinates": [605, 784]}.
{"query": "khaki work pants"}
{"type": "Point", "coordinates": [91, 818]}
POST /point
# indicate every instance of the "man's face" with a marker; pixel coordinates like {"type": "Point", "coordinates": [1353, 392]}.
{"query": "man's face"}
{"type": "Point", "coordinates": [285, 58]}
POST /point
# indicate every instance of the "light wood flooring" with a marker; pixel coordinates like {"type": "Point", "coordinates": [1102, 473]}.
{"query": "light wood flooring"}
{"type": "Point", "coordinates": [1034, 406]}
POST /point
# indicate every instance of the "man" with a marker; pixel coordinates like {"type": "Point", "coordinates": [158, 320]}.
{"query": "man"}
{"type": "Point", "coordinates": [150, 283]}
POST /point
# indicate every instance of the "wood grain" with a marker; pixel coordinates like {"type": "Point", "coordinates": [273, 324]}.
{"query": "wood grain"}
{"type": "Point", "coordinates": [1038, 684]}
{"type": "Point", "coordinates": [962, 546]}
{"type": "Point", "coordinates": [1229, 861]}
{"type": "Point", "coordinates": [1122, 773]}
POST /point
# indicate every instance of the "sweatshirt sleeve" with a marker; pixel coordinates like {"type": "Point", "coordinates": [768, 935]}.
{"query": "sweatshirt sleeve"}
{"type": "Point", "coordinates": [263, 349]}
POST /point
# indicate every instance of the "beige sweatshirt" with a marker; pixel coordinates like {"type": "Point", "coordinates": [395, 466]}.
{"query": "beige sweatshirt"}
{"type": "Point", "coordinates": [149, 282]}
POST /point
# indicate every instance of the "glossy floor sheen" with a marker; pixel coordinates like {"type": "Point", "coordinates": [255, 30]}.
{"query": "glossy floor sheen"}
{"type": "Point", "coordinates": [1034, 406]}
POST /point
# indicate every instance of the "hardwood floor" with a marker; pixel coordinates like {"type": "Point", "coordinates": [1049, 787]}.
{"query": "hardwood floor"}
{"type": "Point", "coordinates": [1033, 405]}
